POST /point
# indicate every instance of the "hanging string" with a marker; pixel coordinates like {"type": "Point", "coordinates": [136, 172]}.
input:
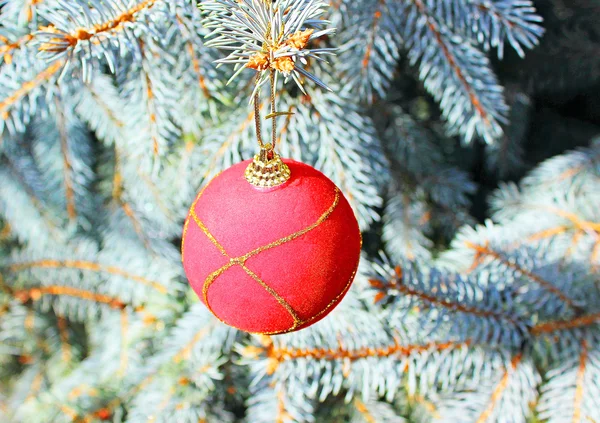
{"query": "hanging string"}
{"type": "Point", "coordinates": [257, 118]}
{"type": "Point", "coordinates": [271, 115]}
{"type": "Point", "coordinates": [273, 111]}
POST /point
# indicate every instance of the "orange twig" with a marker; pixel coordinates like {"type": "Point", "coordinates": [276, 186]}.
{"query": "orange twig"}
{"type": "Point", "coordinates": [281, 354]}
{"type": "Point", "coordinates": [35, 294]}
{"type": "Point", "coordinates": [500, 388]}
{"type": "Point", "coordinates": [87, 265]}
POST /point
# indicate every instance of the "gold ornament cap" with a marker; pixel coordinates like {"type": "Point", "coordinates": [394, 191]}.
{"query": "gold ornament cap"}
{"type": "Point", "coordinates": [267, 170]}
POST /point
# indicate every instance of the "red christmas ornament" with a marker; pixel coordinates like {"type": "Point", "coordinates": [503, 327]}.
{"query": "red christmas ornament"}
{"type": "Point", "coordinates": [270, 260]}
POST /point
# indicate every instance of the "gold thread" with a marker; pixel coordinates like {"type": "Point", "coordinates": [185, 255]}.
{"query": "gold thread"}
{"type": "Point", "coordinates": [240, 261]}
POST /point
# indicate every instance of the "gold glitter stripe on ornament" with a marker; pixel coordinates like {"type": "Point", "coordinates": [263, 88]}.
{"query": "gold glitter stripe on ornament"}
{"type": "Point", "coordinates": [185, 229]}
{"type": "Point", "coordinates": [298, 234]}
{"type": "Point", "coordinates": [278, 297]}
{"type": "Point", "coordinates": [208, 234]}
{"type": "Point", "coordinates": [193, 208]}
{"type": "Point", "coordinates": [241, 261]}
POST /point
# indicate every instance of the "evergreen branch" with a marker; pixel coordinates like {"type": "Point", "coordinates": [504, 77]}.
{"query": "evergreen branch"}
{"type": "Point", "coordinates": [26, 87]}
{"type": "Point", "coordinates": [449, 305]}
{"type": "Point", "coordinates": [120, 201]}
{"type": "Point", "coordinates": [456, 74]}
{"type": "Point", "coordinates": [226, 145]}
{"type": "Point", "coordinates": [396, 284]}
{"type": "Point", "coordinates": [267, 36]}
{"type": "Point", "coordinates": [277, 355]}
{"type": "Point", "coordinates": [86, 265]}
{"type": "Point", "coordinates": [499, 390]}
{"type": "Point", "coordinates": [434, 28]}
{"type": "Point", "coordinates": [491, 23]}
{"type": "Point", "coordinates": [20, 12]}
{"type": "Point", "coordinates": [554, 326]}
{"type": "Point", "coordinates": [579, 223]}
{"type": "Point", "coordinates": [60, 40]}
{"type": "Point", "coordinates": [572, 390]}
{"type": "Point", "coordinates": [482, 251]}
{"type": "Point", "coordinates": [370, 44]}
{"type": "Point", "coordinates": [368, 63]}
{"type": "Point", "coordinates": [41, 224]}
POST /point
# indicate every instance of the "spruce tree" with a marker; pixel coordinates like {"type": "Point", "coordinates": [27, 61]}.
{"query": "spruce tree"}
{"type": "Point", "coordinates": [478, 293]}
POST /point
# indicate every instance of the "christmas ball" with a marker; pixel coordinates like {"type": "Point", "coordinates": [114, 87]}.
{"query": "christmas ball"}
{"type": "Point", "coordinates": [271, 260]}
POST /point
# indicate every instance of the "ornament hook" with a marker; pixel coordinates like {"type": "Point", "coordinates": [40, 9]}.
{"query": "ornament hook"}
{"type": "Point", "coordinates": [267, 170]}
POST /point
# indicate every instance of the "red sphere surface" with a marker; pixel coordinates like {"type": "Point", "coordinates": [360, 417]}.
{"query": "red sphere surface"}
{"type": "Point", "coordinates": [271, 260]}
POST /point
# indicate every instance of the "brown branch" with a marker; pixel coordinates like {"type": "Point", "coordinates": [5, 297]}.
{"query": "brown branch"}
{"type": "Point", "coordinates": [499, 390]}
{"type": "Point", "coordinates": [104, 413]}
{"type": "Point", "coordinates": [549, 327]}
{"type": "Point", "coordinates": [117, 195]}
{"type": "Point", "coordinates": [579, 223]}
{"type": "Point", "coordinates": [484, 250]}
{"type": "Point", "coordinates": [28, 86]}
{"type": "Point", "coordinates": [87, 265]}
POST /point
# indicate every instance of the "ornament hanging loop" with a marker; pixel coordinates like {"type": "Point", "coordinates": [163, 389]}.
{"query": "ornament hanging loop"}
{"type": "Point", "coordinates": [267, 170]}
